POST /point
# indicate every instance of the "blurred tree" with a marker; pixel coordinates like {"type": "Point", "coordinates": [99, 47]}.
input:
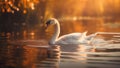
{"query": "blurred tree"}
{"type": "Point", "coordinates": [16, 5]}
{"type": "Point", "coordinates": [33, 13]}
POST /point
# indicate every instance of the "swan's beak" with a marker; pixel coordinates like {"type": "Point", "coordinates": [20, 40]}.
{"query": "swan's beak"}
{"type": "Point", "coordinates": [46, 26]}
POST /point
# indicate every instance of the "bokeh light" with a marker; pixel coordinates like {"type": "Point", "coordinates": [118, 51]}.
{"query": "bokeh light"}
{"type": "Point", "coordinates": [16, 5]}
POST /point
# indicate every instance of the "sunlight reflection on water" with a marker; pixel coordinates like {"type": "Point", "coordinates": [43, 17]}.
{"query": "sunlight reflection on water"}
{"type": "Point", "coordinates": [99, 55]}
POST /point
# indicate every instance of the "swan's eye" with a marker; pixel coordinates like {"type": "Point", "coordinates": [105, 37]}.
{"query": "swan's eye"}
{"type": "Point", "coordinates": [48, 22]}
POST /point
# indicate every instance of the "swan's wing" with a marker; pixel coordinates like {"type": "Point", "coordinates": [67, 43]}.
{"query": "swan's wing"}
{"type": "Point", "coordinates": [71, 38]}
{"type": "Point", "coordinates": [75, 36]}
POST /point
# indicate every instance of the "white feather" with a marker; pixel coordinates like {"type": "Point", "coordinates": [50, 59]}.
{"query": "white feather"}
{"type": "Point", "coordinates": [72, 38]}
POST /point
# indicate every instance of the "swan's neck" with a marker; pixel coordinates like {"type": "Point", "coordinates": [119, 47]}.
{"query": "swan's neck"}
{"type": "Point", "coordinates": [56, 33]}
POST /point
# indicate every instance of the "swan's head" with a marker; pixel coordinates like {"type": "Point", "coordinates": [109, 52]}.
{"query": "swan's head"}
{"type": "Point", "coordinates": [51, 21]}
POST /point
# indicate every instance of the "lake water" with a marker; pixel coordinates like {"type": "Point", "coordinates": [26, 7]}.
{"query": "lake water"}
{"type": "Point", "coordinates": [103, 54]}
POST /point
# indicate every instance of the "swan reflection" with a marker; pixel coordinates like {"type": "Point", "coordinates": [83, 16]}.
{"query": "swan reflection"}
{"type": "Point", "coordinates": [75, 56]}
{"type": "Point", "coordinates": [54, 56]}
{"type": "Point", "coordinates": [76, 50]}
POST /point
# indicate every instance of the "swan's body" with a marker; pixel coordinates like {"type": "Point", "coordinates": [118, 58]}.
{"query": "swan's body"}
{"type": "Point", "coordinates": [72, 38]}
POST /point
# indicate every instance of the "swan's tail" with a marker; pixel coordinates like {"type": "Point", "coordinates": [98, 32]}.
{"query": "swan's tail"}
{"type": "Point", "coordinates": [83, 36]}
{"type": "Point", "coordinates": [91, 37]}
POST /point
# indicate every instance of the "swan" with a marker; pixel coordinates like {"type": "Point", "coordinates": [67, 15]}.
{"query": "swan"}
{"type": "Point", "coordinates": [72, 38]}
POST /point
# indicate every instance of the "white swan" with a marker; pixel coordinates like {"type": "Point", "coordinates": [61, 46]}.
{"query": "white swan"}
{"type": "Point", "coordinates": [72, 38]}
